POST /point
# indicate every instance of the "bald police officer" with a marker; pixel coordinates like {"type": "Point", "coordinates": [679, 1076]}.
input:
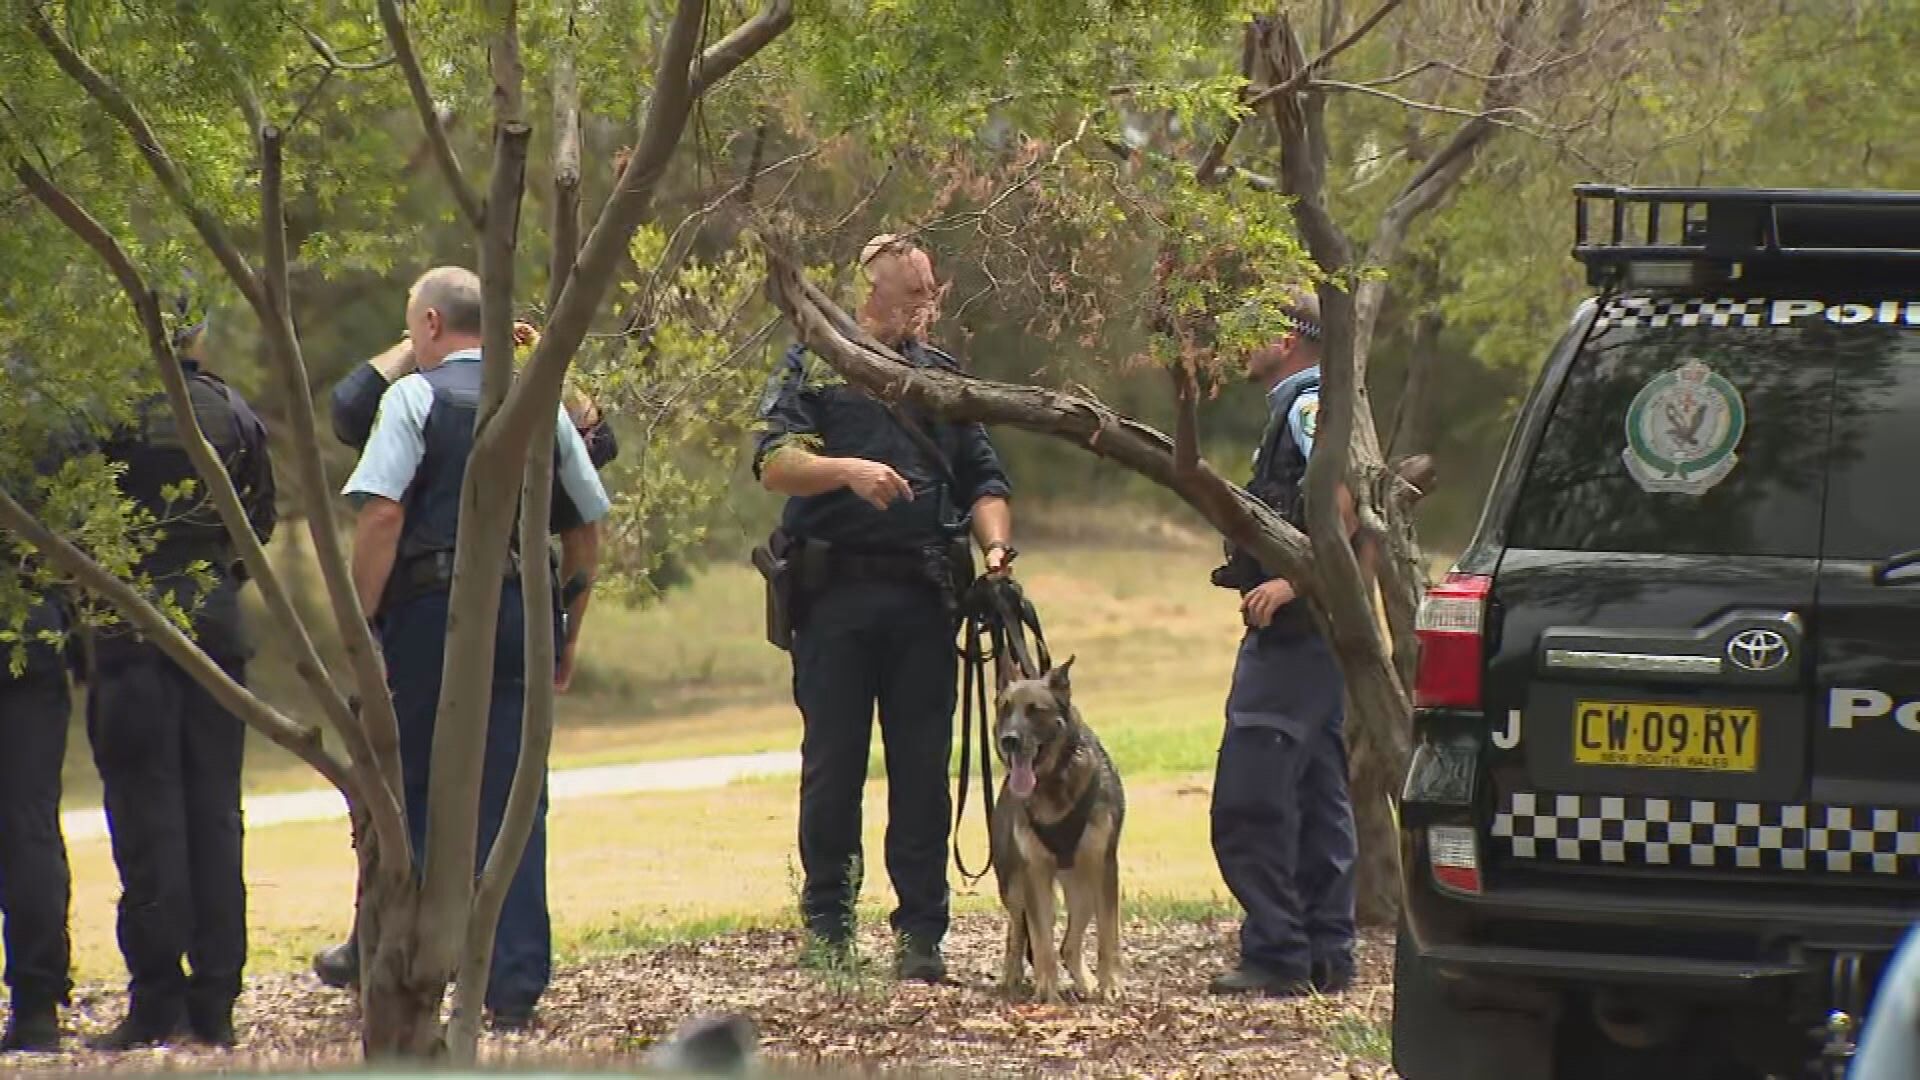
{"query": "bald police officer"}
{"type": "Point", "coordinates": [1283, 832]}
{"type": "Point", "coordinates": [169, 755]}
{"type": "Point", "coordinates": [407, 487]}
{"type": "Point", "coordinates": [355, 403]}
{"type": "Point", "coordinates": [873, 518]}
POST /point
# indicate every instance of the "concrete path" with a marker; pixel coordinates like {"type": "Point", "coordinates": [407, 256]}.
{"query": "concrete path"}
{"type": "Point", "coordinates": [686, 774]}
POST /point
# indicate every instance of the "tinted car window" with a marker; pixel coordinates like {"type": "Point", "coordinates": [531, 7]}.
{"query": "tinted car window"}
{"type": "Point", "coordinates": [1701, 440]}
{"type": "Point", "coordinates": [1873, 485]}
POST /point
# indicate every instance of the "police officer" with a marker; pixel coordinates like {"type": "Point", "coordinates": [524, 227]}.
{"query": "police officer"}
{"type": "Point", "coordinates": [1283, 831]}
{"type": "Point", "coordinates": [169, 755]}
{"type": "Point", "coordinates": [35, 709]}
{"type": "Point", "coordinates": [355, 403]}
{"type": "Point", "coordinates": [356, 400]}
{"type": "Point", "coordinates": [407, 485]}
{"type": "Point", "coordinates": [875, 520]}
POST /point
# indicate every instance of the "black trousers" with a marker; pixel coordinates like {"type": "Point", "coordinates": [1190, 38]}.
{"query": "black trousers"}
{"type": "Point", "coordinates": [1282, 824]}
{"type": "Point", "coordinates": [169, 758]}
{"type": "Point", "coordinates": [34, 880]}
{"type": "Point", "coordinates": [413, 638]}
{"type": "Point", "coordinates": [860, 645]}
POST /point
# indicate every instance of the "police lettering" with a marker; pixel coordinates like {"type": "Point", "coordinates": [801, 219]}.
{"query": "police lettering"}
{"type": "Point", "coordinates": [1846, 705]}
{"type": "Point", "coordinates": [1887, 312]}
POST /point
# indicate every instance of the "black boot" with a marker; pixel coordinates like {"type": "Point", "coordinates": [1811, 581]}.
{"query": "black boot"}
{"type": "Point", "coordinates": [33, 1029]}
{"type": "Point", "coordinates": [919, 960]}
{"type": "Point", "coordinates": [1248, 979]}
{"type": "Point", "coordinates": [146, 1024]}
{"type": "Point", "coordinates": [211, 1022]}
{"type": "Point", "coordinates": [339, 965]}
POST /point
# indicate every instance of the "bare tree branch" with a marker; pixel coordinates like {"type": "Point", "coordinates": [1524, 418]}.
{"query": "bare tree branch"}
{"type": "Point", "coordinates": [331, 58]}
{"type": "Point", "coordinates": [117, 105]}
{"type": "Point", "coordinates": [1496, 113]}
{"type": "Point", "coordinates": [630, 204]}
{"type": "Point", "coordinates": [403, 53]}
{"type": "Point", "coordinates": [1299, 118]}
{"type": "Point", "coordinates": [1306, 72]}
{"type": "Point", "coordinates": [481, 551]}
{"type": "Point", "coordinates": [373, 736]}
{"type": "Point", "coordinates": [300, 740]}
{"type": "Point", "coordinates": [1186, 429]}
{"type": "Point", "coordinates": [1209, 168]}
{"type": "Point", "coordinates": [536, 740]}
{"type": "Point", "coordinates": [726, 55]}
{"type": "Point", "coordinates": [831, 334]}
{"type": "Point", "coordinates": [566, 161]}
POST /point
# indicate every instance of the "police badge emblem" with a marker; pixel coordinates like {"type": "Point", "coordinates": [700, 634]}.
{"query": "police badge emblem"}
{"type": "Point", "coordinates": [1682, 430]}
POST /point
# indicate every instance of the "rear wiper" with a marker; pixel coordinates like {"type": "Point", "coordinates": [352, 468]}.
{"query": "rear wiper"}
{"type": "Point", "coordinates": [1884, 570]}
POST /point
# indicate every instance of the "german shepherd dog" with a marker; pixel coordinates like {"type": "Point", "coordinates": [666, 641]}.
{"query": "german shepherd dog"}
{"type": "Point", "coordinates": [1058, 818]}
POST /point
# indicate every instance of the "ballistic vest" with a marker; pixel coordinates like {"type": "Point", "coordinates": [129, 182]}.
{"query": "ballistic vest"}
{"type": "Point", "coordinates": [433, 498]}
{"type": "Point", "coordinates": [155, 453]}
{"type": "Point", "coordinates": [1280, 467]}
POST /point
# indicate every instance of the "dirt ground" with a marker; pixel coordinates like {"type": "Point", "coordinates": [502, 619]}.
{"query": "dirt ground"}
{"type": "Point", "coordinates": [605, 1014]}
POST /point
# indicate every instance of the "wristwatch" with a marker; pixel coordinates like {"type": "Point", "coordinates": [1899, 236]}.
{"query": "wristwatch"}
{"type": "Point", "coordinates": [1010, 551]}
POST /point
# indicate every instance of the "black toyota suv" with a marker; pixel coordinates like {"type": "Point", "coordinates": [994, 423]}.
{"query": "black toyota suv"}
{"type": "Point", "coordinates": [1663, 813]}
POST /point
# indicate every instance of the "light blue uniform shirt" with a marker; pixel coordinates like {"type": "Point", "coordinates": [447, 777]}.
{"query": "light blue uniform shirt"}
{"type": "Point", "coordinates": [1303, 419]}
{"type": "Point", "coordinates": [398, 442]}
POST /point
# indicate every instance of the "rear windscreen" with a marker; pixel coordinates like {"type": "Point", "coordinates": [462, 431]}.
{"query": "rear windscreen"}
{"type": "Point", "coordinates": [1873, 484]}
{"type": "Point", "coordinates": [1716, 440]}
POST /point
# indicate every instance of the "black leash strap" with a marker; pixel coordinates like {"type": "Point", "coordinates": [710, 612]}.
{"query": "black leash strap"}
{"type": "Point", "coordinates": [996, 617]}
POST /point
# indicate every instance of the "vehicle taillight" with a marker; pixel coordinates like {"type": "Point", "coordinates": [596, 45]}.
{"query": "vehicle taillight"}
{"type": "Point", "coordinates": [1454, 854]}
{"type": "Point", "coordinates": [1449, 627]}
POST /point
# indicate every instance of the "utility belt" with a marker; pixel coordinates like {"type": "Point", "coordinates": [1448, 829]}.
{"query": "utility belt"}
{"type": "Point", "coordinates": [797, 569]}
{"type": "Point", "coordinates": [416, 575]}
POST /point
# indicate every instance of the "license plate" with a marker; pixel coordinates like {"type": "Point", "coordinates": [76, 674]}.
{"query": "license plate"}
{"type": "Point", "coordinates": [1707, 738]}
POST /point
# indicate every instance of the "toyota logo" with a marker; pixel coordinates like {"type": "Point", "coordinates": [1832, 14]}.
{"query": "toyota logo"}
{"type": "Point", "coordinates": [1758, 650]}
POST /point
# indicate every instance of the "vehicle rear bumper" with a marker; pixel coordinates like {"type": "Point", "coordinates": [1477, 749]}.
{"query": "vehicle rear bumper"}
{"type": "Point", "coordinates": [1600, 931]}
{"type": "Point", "coordinates": [1508, 962]}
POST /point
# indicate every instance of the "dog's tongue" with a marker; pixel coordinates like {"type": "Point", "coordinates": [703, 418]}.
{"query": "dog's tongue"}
{"type": "Point", "coordinates": [1020, 778]}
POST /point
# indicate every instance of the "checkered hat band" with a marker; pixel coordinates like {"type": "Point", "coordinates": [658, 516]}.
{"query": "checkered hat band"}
{"type": "Point", "coordinates": [1643, 831]}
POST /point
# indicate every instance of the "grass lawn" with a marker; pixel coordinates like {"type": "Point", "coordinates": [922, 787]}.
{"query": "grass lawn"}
{"type": "Point", "coordinates": [693, 676]}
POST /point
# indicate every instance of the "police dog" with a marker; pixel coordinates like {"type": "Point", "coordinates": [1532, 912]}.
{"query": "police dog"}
{"type": "Point", "coordinates": [1058, 818]}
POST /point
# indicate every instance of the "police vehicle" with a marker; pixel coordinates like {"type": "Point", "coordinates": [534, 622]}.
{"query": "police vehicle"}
{"type": "Point", "coordinates": [1663, 814]}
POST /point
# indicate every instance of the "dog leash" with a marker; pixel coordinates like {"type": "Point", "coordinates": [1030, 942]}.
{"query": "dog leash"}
{"type": "Point", "coordinates": [996, 618]}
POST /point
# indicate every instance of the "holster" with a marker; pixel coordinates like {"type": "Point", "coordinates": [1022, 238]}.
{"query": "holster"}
{"type": "Point", "coordinates": [956, 573]}
{"type": "Point", "coordinates": [774, 559]}
{"type": "Point", "coordinates": [1241, 572]}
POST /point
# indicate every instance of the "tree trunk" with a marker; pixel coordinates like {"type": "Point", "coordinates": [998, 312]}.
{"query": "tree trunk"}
{"type": "Point", "coordinates": [400, 1011]}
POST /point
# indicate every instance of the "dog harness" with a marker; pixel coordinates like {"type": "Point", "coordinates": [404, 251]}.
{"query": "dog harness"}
{"type": "Point", "coordinates": [1062, 837]}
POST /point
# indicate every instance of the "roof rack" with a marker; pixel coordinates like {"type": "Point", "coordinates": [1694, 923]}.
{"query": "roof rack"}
{"type": "Point", "coordinates": [1718, 233]}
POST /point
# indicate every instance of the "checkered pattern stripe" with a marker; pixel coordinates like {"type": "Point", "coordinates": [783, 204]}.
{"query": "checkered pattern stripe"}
{"type": "Point", "coordinates": [1655, 311]}
{"type": "Point", "coordinates": [1642, 831]}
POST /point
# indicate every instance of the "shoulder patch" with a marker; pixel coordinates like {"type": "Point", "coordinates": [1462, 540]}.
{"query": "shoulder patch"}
{"type": "Point", "coordinates": [776, 383]}
{"type": "Point", "coordinates": [1310, 417]}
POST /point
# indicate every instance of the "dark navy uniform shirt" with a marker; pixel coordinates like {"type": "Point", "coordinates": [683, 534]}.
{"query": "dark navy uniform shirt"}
{"type": "Point", "coordinates": [807, 404]}
{"type": "Point", "coordinates": [154, 453]}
